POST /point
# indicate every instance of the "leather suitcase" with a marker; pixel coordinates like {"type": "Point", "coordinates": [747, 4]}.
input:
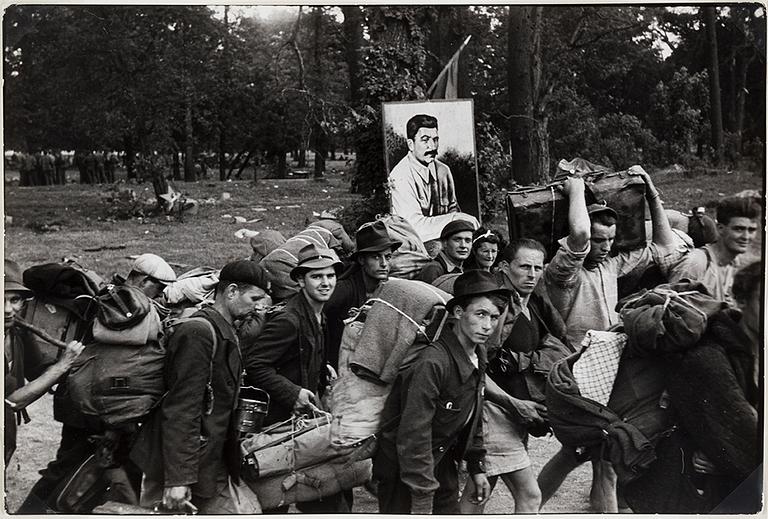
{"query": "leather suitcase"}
{"type": "Point", "coordinates": [541, 212]}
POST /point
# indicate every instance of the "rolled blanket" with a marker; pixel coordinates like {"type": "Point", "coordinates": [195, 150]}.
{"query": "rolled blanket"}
{"type": "Point", "coordinates": [393, 322]}
{"type": "Point", "coordinates": [195, 286]}
{"type": "Point", "coordinates": [581, 422]}
{"type": "Point", "coordinates": [291, 447]}
{"type": "Point", "coordinates": [312, 483]}
{"type": "Point", "coordinates": [446, 282]}
{"type": "Point", "coordinates": [411, 256]}
{"type": "Point", "coordinates": [279, 263]}
{"type": "Point", "coordinates": [669, 318]}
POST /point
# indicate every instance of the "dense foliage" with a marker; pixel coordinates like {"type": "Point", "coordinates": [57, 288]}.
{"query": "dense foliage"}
{"type": "Point", "coordinates": [616, 85]}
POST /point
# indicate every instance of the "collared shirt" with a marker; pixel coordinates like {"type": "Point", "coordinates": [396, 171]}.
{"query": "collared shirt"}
{"type": "Point", "coordinates": [587, 298]}
{"type": "Point", "coordinates": [702, 265]}
{"type": "Point", "coordinates": [439, 266]}
{"type": "Point", "coordinates": [412, 199]}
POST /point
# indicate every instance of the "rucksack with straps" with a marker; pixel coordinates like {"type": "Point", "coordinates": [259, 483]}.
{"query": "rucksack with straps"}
{"type": "Point", "coordinates": [120, 384]}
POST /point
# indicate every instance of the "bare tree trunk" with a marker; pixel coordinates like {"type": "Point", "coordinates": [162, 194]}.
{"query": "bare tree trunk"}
{"type": "Point", "coordinates": [528, 126]}
{"type": "Point", "coordinates": [301, 162]}
{"type": "Point", "coordinates": [353, 41]}
{"type": "Point", "coordinates": [222, 154]}
{"type": "Point", "coordinates": [319, 135]}
{"type": "Point", "coordinates": [222, 106]}
{"type": "Point", "coordinates": [189, 158]}
{"type": "Point", "coordinates": [280, 169]}
{"type": "Point", "coordinates": [741, 96]}
{"type": "Point", "coordinates": [176, 165]}
{"type": "Point", "coordinates": [129, 153]}
{"type": "Point", "coordinates": [716, 112]}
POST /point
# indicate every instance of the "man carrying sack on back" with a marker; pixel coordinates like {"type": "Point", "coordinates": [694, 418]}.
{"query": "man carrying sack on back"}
{"type": "Point", "coordinates": [188, 450]}
{"type": "Point", "coordinates": [433, 416]}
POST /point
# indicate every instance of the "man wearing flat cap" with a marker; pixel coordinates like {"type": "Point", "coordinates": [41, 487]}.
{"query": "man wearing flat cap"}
{"type": "Point", "coordinates": [189, 451]}
{"type": "Point", "coordinates": [372, 262]}
{"type": "Point", "coordinates": [582, 282]}
{"type": "Point", "coordinates": [22, 360]}
{"type": "Point", "coordinates": [151, 274]}
{"type": "Point", "coordinates": [432, 419]}
{"type": "Point", "coordinates": [456, 241]}
{"type": "Point", "coordinates": [288, 358]}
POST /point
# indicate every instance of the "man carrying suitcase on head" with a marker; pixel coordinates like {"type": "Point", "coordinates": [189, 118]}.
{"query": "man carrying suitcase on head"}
{"type": "Point", "coordinates": [581, 281]}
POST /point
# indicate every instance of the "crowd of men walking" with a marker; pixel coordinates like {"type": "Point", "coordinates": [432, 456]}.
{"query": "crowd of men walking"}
{"type": "Point", "coordinates": [452, 401]}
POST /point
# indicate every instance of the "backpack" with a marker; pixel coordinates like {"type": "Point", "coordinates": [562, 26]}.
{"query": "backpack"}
{"type": "Point", "coordinates": [120, 384]}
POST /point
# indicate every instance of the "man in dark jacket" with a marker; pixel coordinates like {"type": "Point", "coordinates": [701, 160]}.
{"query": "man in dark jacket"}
{"type": "Point", "coordinates": [456, 242]}
{"type": "Point", "coordinates": [288, 357]}
{"type": "Point", "coordinates": [189, 450]}
{"type": "Point", "coordinates": [22, 359]}
{"type": "Point", "coordinates": [356, 285]}
{"type": "Point", "coordinates": [433, 416]}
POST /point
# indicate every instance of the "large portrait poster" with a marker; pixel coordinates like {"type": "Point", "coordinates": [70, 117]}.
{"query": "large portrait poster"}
{"type": "Point", "coordinates": [456, 148]}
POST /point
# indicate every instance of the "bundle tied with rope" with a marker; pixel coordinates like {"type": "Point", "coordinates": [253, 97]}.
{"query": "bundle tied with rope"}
{"type": "Point", "coordinates": [400, 319]}
{"type": "Point", "coordinates": [667, 319]}
{"type": "Point", "coordinates": [294, 461]}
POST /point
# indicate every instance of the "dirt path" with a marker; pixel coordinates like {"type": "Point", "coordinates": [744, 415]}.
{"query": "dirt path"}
{"type": "Point", "coordinates": [38, 440]}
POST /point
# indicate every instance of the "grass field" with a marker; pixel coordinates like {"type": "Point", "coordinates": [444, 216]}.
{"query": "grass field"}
{"type": "Point", "coordinates": [49, 223]}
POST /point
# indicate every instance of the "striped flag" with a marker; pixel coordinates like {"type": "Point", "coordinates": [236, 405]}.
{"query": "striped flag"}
{"type": "Point", "coordinates": [446, 86]}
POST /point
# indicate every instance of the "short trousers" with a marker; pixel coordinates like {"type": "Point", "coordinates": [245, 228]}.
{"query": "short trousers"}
{"type": "Point", "coordinates": [506, 442]}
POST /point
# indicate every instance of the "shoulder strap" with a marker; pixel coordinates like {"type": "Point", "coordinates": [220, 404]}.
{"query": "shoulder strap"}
{"type": "Point", "coordinates": [215, 342]}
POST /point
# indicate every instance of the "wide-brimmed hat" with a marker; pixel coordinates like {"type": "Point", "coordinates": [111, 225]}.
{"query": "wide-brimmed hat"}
{"type": "Point", "coordinates": [312, 257]}
{"type": "Point", "coordinates": [373, 237]}
{"type": "Point", "coordinates": [154, 266]}
{"type": "Point", "coordinates": [474, 283]}
{"type": "Point", "coordinates": [14, 279]}
{"type": "Point", "coordinates": [601, 208]}
{"type": "Point", "coordinates": [456, 226]}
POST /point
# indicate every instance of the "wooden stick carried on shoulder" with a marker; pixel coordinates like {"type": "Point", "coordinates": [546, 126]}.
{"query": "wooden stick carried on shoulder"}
{"type": "Point", "coordinates": [40, 333]}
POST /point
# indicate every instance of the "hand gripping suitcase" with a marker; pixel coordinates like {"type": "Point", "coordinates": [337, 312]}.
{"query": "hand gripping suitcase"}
{"type": "Point", "coordinates": [541, 212]}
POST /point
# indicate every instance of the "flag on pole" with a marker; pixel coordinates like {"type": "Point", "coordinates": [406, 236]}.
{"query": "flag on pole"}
{"type": "Point", "coordinates": [446, 86]}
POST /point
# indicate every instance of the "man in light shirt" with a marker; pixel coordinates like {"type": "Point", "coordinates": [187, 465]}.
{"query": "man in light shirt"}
{"type": "Point", "coordinates": [421, 186]}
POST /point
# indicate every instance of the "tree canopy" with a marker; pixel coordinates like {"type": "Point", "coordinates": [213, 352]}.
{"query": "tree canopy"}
{"type": "Point", "coordinates": [614, 84]}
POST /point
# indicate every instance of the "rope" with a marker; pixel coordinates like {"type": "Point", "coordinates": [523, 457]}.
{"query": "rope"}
{"type": "Point", "coordinates": [419, 328]}
{"type": "Point", "coordinates": [671, 294]}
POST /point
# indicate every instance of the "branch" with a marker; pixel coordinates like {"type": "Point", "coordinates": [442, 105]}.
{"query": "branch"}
{"type": "Point", "coordinates": [40, 333]}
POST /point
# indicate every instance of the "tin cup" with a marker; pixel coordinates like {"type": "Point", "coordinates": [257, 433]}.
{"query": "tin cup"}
{"type": "Point", "coordinates": [252, 408]}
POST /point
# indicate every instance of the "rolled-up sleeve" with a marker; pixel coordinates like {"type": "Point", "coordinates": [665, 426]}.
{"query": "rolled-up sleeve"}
{"type": "Point", "coordinates": [561, 275]}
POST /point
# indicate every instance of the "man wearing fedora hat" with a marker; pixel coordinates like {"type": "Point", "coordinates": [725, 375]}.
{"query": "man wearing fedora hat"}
{"type": "Point", "coordinates": [582, 282]}
{"type": "Point", "coordinates": [433, 416]}
{"type": "Point", "coordinates": [188, 449]}
{"type": "Point", "coordinates": [21, 359]}
{"type": "Point", "coordinates": [372, 262]}
{"type": "Point", "coordinates": [288, 357]}
{"type": "Point", "coordinates": [456, 241]}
